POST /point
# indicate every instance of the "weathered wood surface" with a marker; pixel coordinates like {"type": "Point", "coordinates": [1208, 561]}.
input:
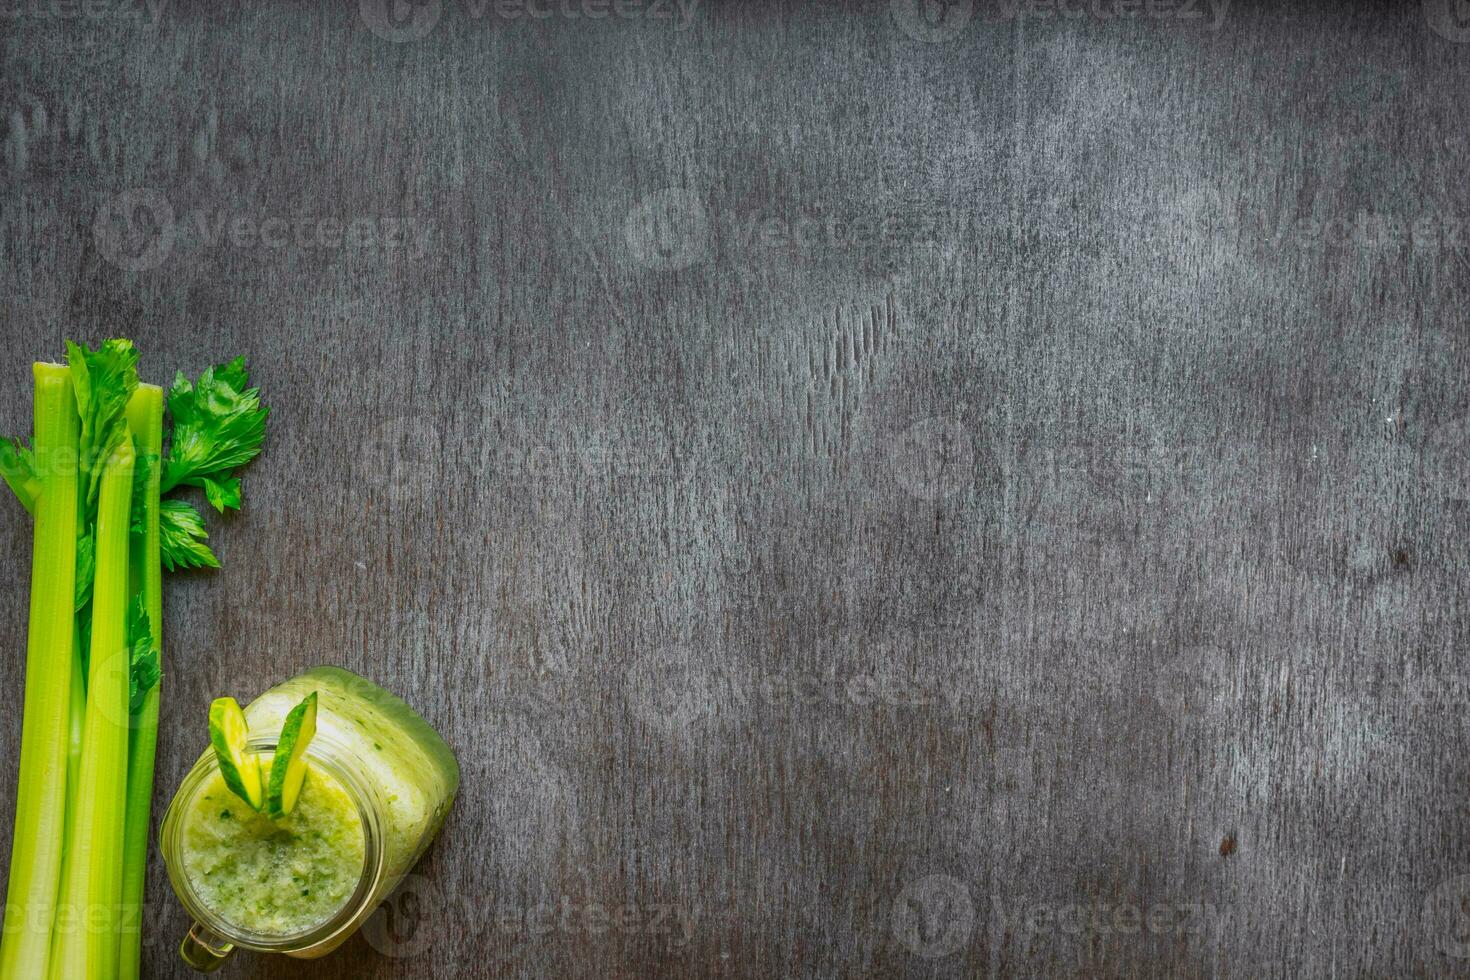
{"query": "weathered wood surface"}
{"type": "Point", "coordinates": [859, 505]}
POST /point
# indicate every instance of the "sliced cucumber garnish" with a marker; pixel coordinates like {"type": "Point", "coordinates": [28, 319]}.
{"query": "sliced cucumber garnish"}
{"type": "Point", "coordinates": [239, 768]}
{"type": "Point", "coordinates": [288, 770]}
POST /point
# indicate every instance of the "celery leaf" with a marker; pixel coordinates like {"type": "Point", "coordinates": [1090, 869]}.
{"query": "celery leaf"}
{"type": "Point", "coordinates": [18, 468]}
{"type": "Point", "coordinates": [218, 425]}
{"type": "Point", "coordinates": [223, 493]}
{"type": "Point", "coordinates": [182, 536]}
{"type": "Point", "coordinates": [144, 666]}
{"type": "Point", "coordinates": [86, 569]}
{"type": "Point", "coordinates": [102, 380]}
{"type": "Point", "coordinates": [142, 469]}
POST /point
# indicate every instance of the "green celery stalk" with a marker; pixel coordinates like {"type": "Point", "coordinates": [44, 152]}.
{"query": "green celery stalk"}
{"type": "Point", "coordinates": [74, 721]}
{"type": "Point", "coordinates": [145, 418]}
{"type": "Point", "coordinates": [40, 817]}
{"type": "Point", "coordinates": [86, 935]}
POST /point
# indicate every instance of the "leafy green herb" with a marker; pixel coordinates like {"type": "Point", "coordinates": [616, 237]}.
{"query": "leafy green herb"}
{"type": "Point", "coordinates": [144, 668]}
{"type": "Point", "coordinates": [218, 426]}
{"type": "Point", "coordinates": [142, 473]}
{"type": "Point", "coordinates": [182, 536]}
{"type": "Point", "coordinates": [223, 494]}
{"type": "Point", "coordinates": [18, 469]}
{"type": "Point", "coordinates": [84, 637]}
{"type": "Point", "coordinates": [103, 381]}
{"type": "Point", "coordinates": [86, 568]}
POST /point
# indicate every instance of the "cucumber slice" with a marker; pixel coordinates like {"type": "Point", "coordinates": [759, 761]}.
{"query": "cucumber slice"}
{"type": "Point", "coordinates": [288, 770]}
{"type": "Point", "coordinates": [237, 766]}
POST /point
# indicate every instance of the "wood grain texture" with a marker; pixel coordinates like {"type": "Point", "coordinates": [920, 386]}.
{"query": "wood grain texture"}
{"type": "Point", "coordinates": [858, 505]}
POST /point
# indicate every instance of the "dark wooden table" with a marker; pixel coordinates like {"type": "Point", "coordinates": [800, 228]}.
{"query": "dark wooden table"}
{"type": "Point", "coordinates": [866, 492]}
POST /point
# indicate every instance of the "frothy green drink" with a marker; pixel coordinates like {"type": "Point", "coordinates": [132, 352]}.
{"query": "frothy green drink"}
{"type": "Point", "coordinates": [274, 877]}
{"type": "Point", "coordinates": [415, 774]}
{"type": "Point", "coordinates": [379, 784]}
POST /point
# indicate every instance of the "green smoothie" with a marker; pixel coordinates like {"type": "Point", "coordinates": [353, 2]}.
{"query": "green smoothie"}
{"type": "Point", "coordinates": [379, 784]}
{"type": "Point", "coordinates": [414, 772]}
{"type": "Point", "coordinates": [274, 877]}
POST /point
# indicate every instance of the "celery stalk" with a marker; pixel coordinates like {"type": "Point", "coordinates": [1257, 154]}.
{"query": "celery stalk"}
{"type": "Point", "coordinates": [86, 939]}
{"type": "Point", "coordinates": [40, 818]}
{"type": "Point", "coordinates": [145, 418]}
{"type": "Point", "coordinates": [74, 722]}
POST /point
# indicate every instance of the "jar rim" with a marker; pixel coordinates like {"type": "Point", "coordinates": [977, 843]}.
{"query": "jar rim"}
{"type": "Point", "coordinates": [336, 759]}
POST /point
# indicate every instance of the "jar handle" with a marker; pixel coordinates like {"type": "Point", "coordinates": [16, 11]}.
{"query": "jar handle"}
{"type": "Point", "coordinates": [205, 950]}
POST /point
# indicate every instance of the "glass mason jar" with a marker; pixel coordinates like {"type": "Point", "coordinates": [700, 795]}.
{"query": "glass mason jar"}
{"type": "Point", "coordinates": [395, 769]}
